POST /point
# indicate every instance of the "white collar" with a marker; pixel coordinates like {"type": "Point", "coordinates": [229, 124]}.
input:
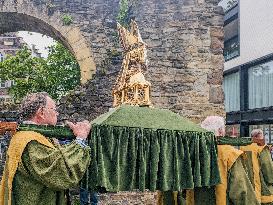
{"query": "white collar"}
{"type": "Point", "coordinates": [29, 122]}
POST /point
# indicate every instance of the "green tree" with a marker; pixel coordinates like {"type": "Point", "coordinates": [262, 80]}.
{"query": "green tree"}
{"type": "Point", "coordinates": [123, 13]}
{"type": "Point", "coordinates": [56, 75]}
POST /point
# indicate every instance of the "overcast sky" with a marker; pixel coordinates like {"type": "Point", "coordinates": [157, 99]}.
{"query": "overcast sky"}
{"type": "Point", "coordinates": [41, 42]}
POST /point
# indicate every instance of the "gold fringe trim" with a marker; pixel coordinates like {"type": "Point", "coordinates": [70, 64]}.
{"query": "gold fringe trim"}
{"type": "Point", "coordinates": [267, 199]}
{"type": "Point", "coordinates": [175, 194]}
{"type": "Point", "coordinates": [190, 197]}
{"type": "Point", "coordinates": [159, 198]}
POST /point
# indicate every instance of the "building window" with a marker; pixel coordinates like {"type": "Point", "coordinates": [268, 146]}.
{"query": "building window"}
{"type": "Point", "coordinates": [2, 84]}
{"type": "Point", "coordinates": [260, 85]}
{"type": "Point", "coordinates": [231, 32]}
{"type": "Point", "coordinates": [233, 130]}
{"type": "Point", "coordinates": [1, 57]}
{"type": "Point", "coordinates": [232, 92]}
{"type": "Point", "coordinates": [7, 83]}
{"type": "Point", "coordinates": [5, 99]}
{"type": "Point", "coordinates": [231, 48]}
{"type": "Point", "coordinates": [9, 42]}
{"type": "Point", "coordinates": [228, 4]}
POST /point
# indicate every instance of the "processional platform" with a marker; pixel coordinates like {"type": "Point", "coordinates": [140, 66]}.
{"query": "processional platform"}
{"type": "Point", "coordinates": [137, 147]}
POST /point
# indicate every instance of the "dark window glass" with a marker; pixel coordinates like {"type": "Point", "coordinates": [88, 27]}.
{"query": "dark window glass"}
{"type": "Point", "coordinates": [232, 48]}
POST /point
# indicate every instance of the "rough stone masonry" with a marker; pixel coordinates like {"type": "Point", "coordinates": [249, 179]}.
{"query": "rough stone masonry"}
{"type": "Point", "coordinates": [185, 45]}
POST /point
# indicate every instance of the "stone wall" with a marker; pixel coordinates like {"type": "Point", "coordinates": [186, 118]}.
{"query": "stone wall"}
{"type": "Point", "coordinates": [92, 99]}
{"type": "Point", "coordinates": [185, 43]}
{"type": "Point", "coordinates": [184, 38]}
{"type": "Point", "coordinates": [87, 33]}
{"type": "Point", "coordinates": [126, 198]}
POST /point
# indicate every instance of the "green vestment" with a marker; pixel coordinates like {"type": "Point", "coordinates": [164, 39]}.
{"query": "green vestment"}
{"type": "Point", "coordinates": [260, 171]}
{"type": "Point", "coordinates": [266, 175]}
{"type": "Point", "coordinates": [239, 190]}
{"type": "Point", "coordinates": [44, 173]}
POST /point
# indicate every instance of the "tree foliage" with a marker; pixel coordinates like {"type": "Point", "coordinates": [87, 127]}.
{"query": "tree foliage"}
{"type": "Point", "coordinates": [55, 75]}
{"type": "Point", "coordinates": [122, 16]}
{"type": "Point", "coordinates": [67, 19]}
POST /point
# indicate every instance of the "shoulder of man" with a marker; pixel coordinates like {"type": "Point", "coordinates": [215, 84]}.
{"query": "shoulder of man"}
{"type": "Point", "coordinates": [22, 138]}
{"type": "Point", "coordinates": [229, 154]}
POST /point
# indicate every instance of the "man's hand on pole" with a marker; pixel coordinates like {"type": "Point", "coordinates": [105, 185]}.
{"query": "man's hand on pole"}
{"type": "Point", "coordinates": [80, 129]}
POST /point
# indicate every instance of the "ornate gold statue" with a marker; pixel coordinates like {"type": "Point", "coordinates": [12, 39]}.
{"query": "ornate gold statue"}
{"type": "Point", "coordinates": [131, 87]}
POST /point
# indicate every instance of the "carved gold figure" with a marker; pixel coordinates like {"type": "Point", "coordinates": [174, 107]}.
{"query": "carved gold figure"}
{"type": "Point", "coordinates": [131, 87]}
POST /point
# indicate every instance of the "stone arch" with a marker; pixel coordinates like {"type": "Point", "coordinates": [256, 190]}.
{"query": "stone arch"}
{"type": "Point", "coordinates": [24, 15]}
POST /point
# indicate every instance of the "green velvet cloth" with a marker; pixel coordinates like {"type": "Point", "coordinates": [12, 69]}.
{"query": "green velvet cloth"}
{"type": "Point", "coordinates": [145, 117]}
{"type": "Point", "coordinates": [147, 148]}
{"type": "Point", "coordinates": [50, 131]}
{"type": "Point", "coordinates": [137, 158]}
{"type": "Point", "coordinates": [45, 173]}
{"type": "Point", "coordinates": [234, 141]}
{"type": "Point", "coordinates": [248, 166]}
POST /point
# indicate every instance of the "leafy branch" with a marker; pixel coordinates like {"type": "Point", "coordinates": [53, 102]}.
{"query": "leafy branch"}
{"type": "Point", "coordinates": [67, 19]}
{"type": "Point", "coordinates": [56, 75]}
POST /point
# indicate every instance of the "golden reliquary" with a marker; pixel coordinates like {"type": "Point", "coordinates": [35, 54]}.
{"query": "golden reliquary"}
{"type": "Point", "coordinates": [131, 87]}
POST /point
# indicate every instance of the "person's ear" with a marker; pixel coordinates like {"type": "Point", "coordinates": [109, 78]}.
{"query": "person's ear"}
{"type": "Point", "coordinates": [40, 113]}
{"type": "Point", "coordinates": [221, 132]}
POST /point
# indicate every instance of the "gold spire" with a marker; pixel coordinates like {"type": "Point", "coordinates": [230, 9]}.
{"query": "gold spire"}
{"type": "Point", "coordinates": [131, 87]}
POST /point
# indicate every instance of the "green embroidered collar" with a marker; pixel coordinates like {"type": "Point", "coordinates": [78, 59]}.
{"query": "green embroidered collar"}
{"type": "Point", "coordinates": [59, 132]}
{"type": "Point", "coordinates": [234, 141]}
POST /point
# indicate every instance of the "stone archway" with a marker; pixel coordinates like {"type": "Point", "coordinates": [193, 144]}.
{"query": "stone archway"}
{"type": "Point", "coordinates": [25, 16]}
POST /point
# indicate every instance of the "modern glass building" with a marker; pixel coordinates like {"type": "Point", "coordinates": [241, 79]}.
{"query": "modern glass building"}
{"type": "Point", "coordinates": [248, 70]}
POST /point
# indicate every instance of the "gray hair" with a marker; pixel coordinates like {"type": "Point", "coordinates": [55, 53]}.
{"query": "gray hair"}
{"type": "Point", "coordinates": [31, 103]}
{"type": "Point", "coordinates": [213, 123]}
{"type": "Point", "coordinates": [256, 132]}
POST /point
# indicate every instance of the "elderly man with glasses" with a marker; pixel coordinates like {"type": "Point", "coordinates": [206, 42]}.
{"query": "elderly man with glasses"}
{"type": "Point", "coordinates": [37, 171]}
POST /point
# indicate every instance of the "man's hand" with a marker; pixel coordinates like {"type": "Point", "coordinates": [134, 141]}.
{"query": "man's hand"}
{"type": "Point", "coordinates": [80, 129]}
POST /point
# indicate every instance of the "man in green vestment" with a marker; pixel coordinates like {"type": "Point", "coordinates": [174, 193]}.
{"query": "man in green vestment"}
{"type": "Point", "coordinates": [261, 167]}
{"type": "Point", "coordinates": [37, 172]}
{"type": "Point", "coordinates": [235, 187]}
